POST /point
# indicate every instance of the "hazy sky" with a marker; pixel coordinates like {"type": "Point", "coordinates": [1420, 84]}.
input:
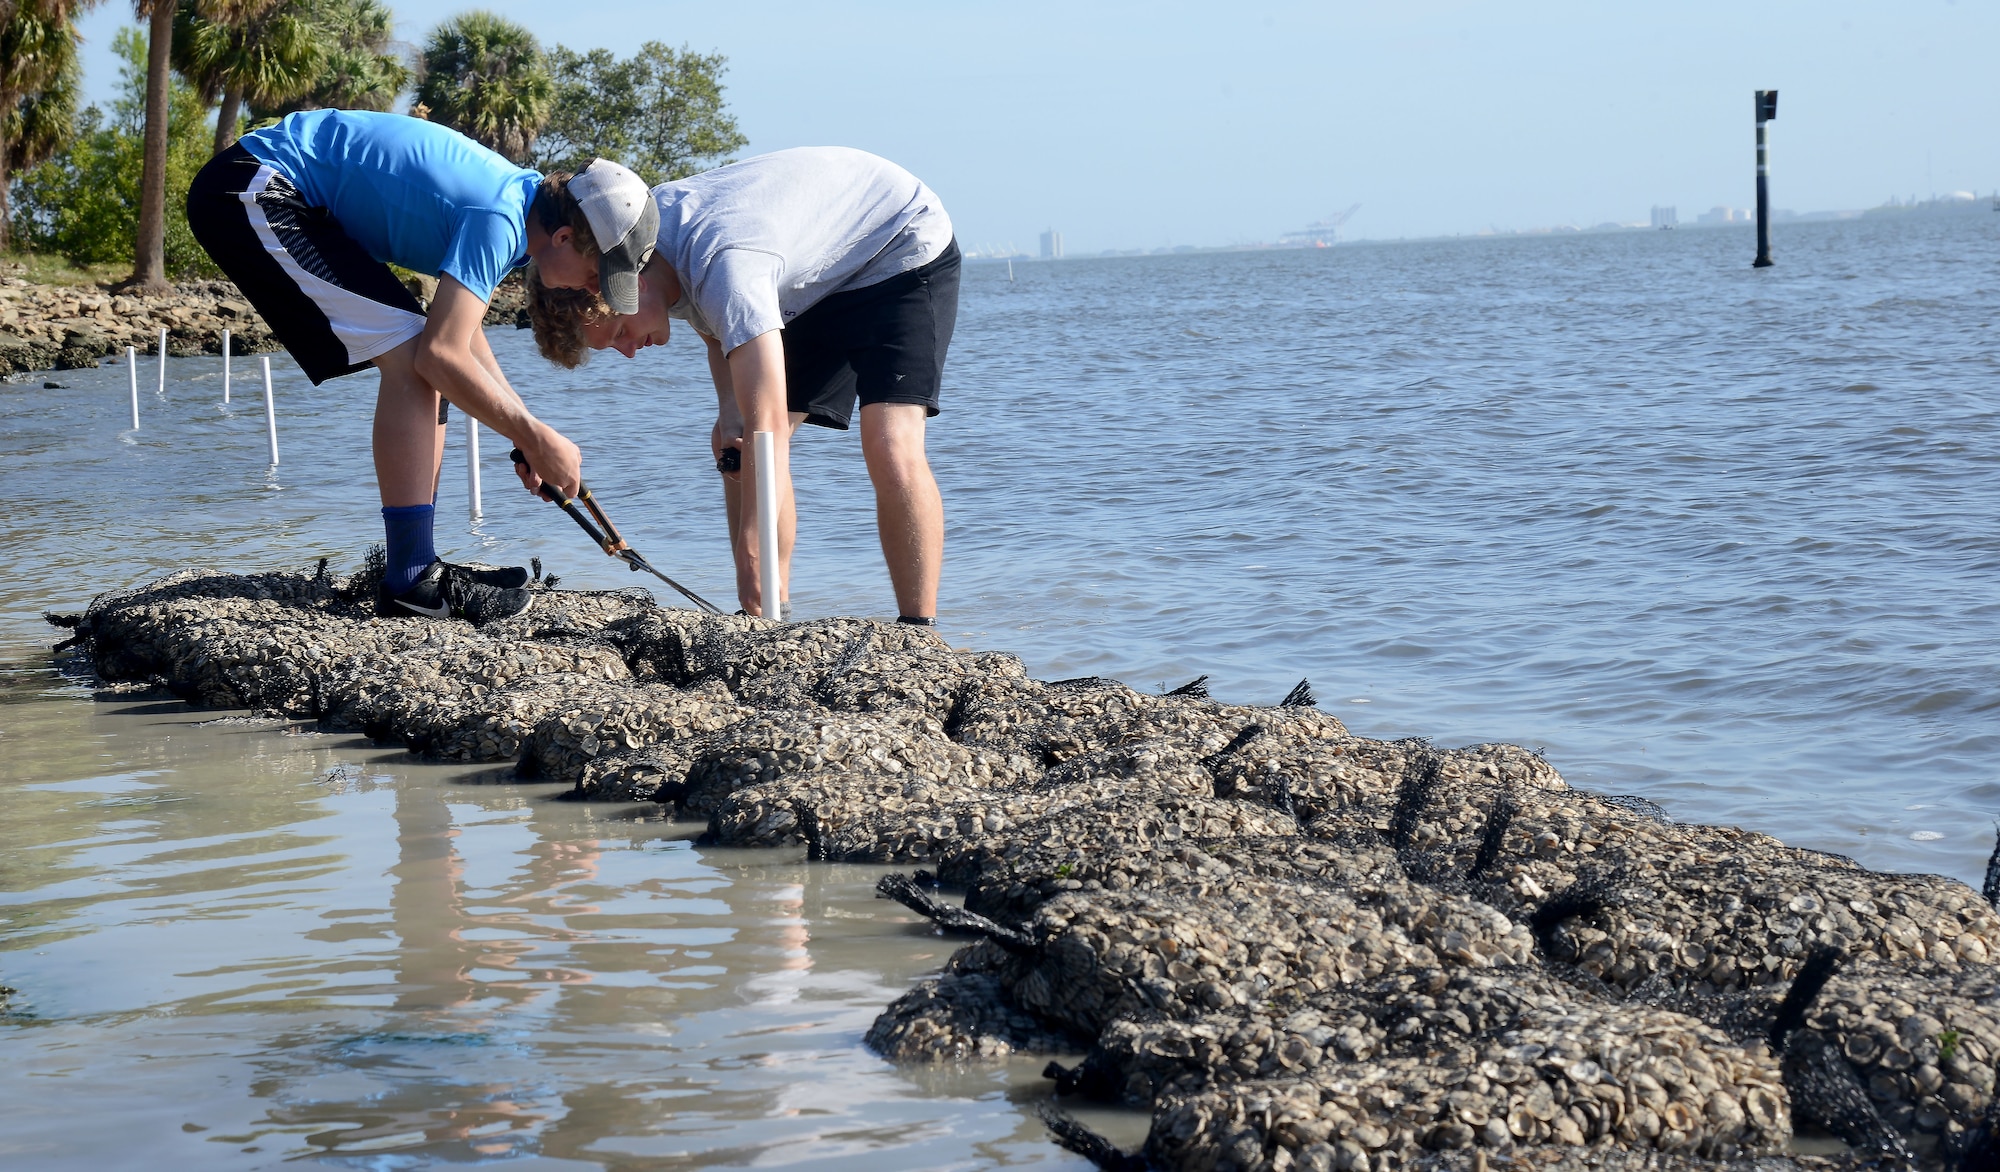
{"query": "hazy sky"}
{"type": "Point", "coordinates": [1129, 125]}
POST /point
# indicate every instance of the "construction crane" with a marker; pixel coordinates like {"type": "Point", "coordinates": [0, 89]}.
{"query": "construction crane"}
{"type": "Point", "coordinates": [1320, 233]}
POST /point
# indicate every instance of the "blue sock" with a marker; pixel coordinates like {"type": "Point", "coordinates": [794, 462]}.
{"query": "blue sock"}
{"type": "Point", "coordinates": [408, 530]}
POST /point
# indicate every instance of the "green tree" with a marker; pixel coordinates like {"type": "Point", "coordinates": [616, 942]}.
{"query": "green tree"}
{"type": "Point", "coordinates": [83, 203]}
{"type": "Point", "coordinates": [683, 128]}
{"type": "Point", "coordinates": [484, 76]}
{"type": "Point", "coordinates": [262, 51]}
{"type": "Point", "coordinates": [363, 68]}
{"type": "Point", "coordinates": [659, 112]}
{"type": "Point", "coordinates": [39, 80]}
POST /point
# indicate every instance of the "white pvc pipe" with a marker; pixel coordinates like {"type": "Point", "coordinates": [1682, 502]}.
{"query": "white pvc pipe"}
{"type": "Point", "coordinates": [132, 367]}
{"type": "Point", "coordinates": [472, 463]}
{"type": "Point", "coordinates": [766, 449]}
{"type": "Point", "coordinates": [225, 366]}
{"type": "Point", "coordinates": [163, 360]}
{"type": "Point", "coordinates": [270, 412]}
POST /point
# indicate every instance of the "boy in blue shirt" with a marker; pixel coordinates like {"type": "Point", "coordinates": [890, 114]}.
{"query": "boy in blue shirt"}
{"type": "Point", "coordinates": [306, 216]}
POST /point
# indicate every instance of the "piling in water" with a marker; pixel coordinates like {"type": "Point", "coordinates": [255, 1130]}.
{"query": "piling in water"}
{"type": "Point", "coordinates": [270, 413]}
{"type": "Point", "coordinates": [472, 465]}
{"type": "Point", "coordinates": [225, 367]}
{"type": "Point", "coordinates": [163, 360]}
{"type": "Point", "coordinates": [1767, 109]}
{"type": "Point", "coordinates": [132, 369]}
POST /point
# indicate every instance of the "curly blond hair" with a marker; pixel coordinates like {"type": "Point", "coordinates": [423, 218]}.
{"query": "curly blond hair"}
{"type": "Point", "coordinates": [559, 317]}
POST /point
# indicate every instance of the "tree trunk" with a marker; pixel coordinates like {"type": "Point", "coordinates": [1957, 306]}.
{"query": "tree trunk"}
{"type": "Point", "coordinates": [149, 251]}
{"type": "Point", "coordinates": [225, 118]}
{"type": "Point", "coordinates": [10, 98]}
{"type": "Point", "coordinates": [6, 207]}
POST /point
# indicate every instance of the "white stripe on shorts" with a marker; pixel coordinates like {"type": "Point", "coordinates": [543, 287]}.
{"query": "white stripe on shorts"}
{"type": "Point", "coordinates": [369, 329]}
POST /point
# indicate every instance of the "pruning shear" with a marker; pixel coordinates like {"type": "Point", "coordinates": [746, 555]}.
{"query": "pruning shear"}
{"type": "Point", "coordinates": [608, 538]}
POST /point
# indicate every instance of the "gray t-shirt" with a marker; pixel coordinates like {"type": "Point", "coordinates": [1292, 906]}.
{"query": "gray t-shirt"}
{"type": "Point", "coordinates": [759, 242]}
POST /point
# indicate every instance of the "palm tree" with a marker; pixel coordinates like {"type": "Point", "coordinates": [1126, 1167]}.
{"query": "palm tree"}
{"type": "Point", "coordinates": [40, 77]}
{"type": "Point", "coordinates": [362, 69]}
{"type": "Point", "coordinates": [263, 51]}
{"type": "Point", "coordinates": [149, 247]}
{"type": "Point", "coordinates": [485, 77]}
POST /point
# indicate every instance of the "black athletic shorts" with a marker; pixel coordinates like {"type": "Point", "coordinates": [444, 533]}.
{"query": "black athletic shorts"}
{"type": "Point", "coordinates": [335, 308]}
{"type": "Point", "coordinates": [884, 343]}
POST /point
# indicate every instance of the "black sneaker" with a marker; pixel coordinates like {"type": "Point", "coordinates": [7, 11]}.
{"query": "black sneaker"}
{"type": "Point", "coordinates": [446, 592]}
{"type": "Point", "coordinates": [503, 578]}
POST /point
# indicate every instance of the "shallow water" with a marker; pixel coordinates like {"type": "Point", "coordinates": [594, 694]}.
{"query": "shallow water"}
{"type": "Point", "coordinates": [1719, 537]}
{"type": "Point", "coordinates": [238, 948]}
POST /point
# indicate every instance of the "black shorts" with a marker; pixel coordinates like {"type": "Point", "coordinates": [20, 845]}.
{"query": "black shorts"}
{"type": "Point", "coordinates": [883, 343]}
{"type": "Point", "coordinates": [335, 308]}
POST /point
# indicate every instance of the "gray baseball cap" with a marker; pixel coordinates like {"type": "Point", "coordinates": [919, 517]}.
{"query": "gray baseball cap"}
{"type": "Point", "coordinates": [625, 221]}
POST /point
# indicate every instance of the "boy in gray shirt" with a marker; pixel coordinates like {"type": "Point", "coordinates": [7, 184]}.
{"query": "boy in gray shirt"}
{"type": "Point", "coordinates": [817, 277]}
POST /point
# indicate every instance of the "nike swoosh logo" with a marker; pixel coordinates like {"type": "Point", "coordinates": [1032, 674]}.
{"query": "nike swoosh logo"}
{"type": "Point", "coordinates": [440, 611]}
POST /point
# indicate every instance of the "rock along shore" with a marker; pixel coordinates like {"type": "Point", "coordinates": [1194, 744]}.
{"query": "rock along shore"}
{"type": "Point", "coordinates": [1298, 948]}
{"type": "Point", "coordinates": [68, 327]}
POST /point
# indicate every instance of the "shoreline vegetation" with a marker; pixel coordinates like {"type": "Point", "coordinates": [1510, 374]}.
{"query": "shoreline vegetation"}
{"type": "Point", "coordinates": [1299, 948]}
{"type": "Point", "coordinates": [107, 188]}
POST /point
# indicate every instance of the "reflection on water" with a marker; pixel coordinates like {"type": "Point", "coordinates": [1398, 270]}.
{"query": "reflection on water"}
{"type": "Point", "coordinates": [249, 947]}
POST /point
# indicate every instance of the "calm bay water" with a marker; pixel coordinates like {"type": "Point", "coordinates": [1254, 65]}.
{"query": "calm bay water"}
{"type": "Point", "coordinates": [1723, 538]}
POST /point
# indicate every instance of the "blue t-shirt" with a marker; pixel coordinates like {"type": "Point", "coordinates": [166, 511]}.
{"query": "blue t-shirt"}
{"type": "Point", "coordinates": [411, 192]}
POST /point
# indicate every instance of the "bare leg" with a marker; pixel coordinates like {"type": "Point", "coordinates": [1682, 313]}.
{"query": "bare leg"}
{"type": "Point", "coordinates": [909, 512]}
{"type": "Point", "coordinates": [409, 441]}
{"type": "Point", "coordinates": [444, 433]}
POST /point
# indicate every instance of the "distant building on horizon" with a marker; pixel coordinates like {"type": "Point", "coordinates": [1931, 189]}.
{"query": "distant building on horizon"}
{"type": "Point", "coordinates": [1951, 203]}
{"type": "Point", "coordinates": [1666, 217]}
{"type": "Point", "coordinates": [1320, 233]}
{"type": "Point", "coordinates": [1052, 245]}
{"type": "Point", "coordinates": [1312, 236]}
{"type": "Point", "coordinates": [1723, 214]}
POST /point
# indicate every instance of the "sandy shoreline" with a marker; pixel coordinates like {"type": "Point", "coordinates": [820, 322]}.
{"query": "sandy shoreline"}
{"type": "Point", "coordinates": [68, 327]}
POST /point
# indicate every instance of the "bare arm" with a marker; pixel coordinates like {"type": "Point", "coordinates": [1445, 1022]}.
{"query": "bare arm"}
{"type": "Point", "coordinates": [728, 433]}
{"type": "Point", "coordinates": [757, 377]}
{"type": "Point", "coordinates": [483, 351]}
{"type": "Point", "coordinates": [455, 359]}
